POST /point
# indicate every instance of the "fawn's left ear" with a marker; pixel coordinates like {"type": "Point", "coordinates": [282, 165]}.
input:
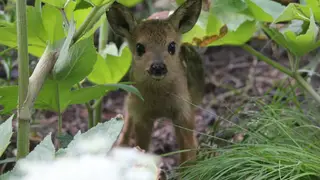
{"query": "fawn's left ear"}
{"type": "Point", "coordinates": [186, 16]}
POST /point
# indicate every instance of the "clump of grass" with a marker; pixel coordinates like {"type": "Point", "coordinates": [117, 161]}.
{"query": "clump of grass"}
{"type": "Point", "coordinates": [281, 141]}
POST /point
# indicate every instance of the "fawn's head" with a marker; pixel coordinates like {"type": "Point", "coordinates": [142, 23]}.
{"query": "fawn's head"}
{"type": "Point", "coordinates": [155, 44]}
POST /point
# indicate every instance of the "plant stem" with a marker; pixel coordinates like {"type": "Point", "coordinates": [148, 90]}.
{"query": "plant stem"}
{"type": "Point", "coordinates": [267, 60]}
{"type": "Point", "coordinates": [23, 63]}
{"type": "Point", "coordinates": [90, 118]}
{"type": "Point", "coordinates": [90, 111]}
{"type": "Point", "coordinates": [84, 25]}
{"type": "Point", "coordinates": [307, 86]}
{"type": "Point", "coordinates": [59, 112]}
{"type": "Point", "coordinates": [285, 70]}
{"type": "Point", "coordinates": [103, 39]}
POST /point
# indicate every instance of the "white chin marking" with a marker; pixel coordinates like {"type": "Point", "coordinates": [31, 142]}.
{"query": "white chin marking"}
{"type": "Point", "coordinates": [158, 78]}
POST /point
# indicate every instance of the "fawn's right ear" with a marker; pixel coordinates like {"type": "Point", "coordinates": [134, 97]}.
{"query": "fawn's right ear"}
{"type": "Point", "coordinates": [121, 20]}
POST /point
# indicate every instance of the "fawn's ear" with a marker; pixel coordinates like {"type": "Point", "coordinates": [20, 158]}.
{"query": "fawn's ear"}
{"type": "Point", "coordinates": [121, 20]}
{"type": "Point", "coordinates": [186, 16]}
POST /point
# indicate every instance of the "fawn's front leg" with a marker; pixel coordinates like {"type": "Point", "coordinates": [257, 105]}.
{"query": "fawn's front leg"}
{"type": "Point", "coordinates": [185, 137]}
{"type": "Point", "coordinates": [124, 139]}
{"type": "Point", "coordinates": [143, 126]}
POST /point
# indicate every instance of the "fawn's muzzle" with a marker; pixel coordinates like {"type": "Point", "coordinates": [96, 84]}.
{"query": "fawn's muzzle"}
{"type": "Point", "coordinates": [158, 70]}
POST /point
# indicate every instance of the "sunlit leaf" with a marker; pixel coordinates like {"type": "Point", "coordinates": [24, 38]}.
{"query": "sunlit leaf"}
{"type": "Point", "coordinates": [265, 10]}
{"type": "Point", "coordinates": [53, 23]}
{"type": "Point", "coordinates": [99, 2]}
{"type": "Point", "coordinates": [56, 3]}
{"type": "Point", "coordinates": [303, 43]}
{"type": "Point", "coordinates": [294, 11]}
{"type": "Point", "coordinates": [94, 92]}
{"type": "Point", "coordinates": [113, 67]}
{"type": "Point", "coordinates": [129, 3]}
{"type": "Point", "coordinates": [78, 64]}
{"type": "Point", "coordinates": [8, 98]}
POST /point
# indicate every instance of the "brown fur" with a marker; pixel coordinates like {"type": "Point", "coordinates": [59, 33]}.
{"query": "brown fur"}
{"type": "Point", "coordinates": [171, 96]}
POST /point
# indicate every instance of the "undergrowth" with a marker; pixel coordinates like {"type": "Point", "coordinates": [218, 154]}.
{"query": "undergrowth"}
{"type": "Point", "coordinates": [281, 140]}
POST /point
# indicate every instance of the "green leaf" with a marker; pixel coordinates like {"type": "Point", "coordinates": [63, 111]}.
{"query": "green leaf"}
{"type": "Point", "coordinates": [5, 134]}
{"type": "Point", "coordinates": [99, 2]}
{"type": "Point", "coordinates": [265, 10]}
{"type": "Point", "coordinates": [8, 98]}
{"type": "Point", "coordinates": [230, 12]}
{"type": "Point", "coordinates": [36, 33]}
{"type": "Point", "coordinates": [54, 96]}
{"type": "Point", "coordinates": [56, 3]}
{"type": "Point", "coordinates": [303, 43]}
{"type": "Point", "coordinates": [129, 3]}
{"type": "Point", "coordinates": [315, 6]}
{"type": "Point", "coordinates": [243, 34]}
{"type": "Point", "coordinates": [298, 44]}
{"type": "Point", "coordinates": [113, 67]}
{"type": "Point", "coordinates": [96, 140]}
{"type": "Point", "coordinates": [53, 23]}
{"type": "Point", "coordinates": [94, 92]}
{"type": "Point", "coordinates": [78, 64]}
{"type": "Point", "coordinates": [294, 11]}
{"type": "Point", "coordinates": [43, 151]}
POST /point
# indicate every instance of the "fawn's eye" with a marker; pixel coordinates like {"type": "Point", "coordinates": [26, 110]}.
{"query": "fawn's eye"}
{"type": "Point", "coordinates": [172, 48]}
{"type": "Point", "coordinates": [140, 49]}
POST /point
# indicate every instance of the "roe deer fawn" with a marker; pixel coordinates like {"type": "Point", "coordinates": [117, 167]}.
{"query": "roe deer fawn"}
{"type": "Point", "coordinates": [168, 74]}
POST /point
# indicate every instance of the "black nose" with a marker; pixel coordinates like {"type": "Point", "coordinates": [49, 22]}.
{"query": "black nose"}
{"type": "Point", "coordinates": [158, 69]}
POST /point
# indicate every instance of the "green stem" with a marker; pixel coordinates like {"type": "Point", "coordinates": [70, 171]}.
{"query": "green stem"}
{"type": "Point", "coordinates": [89, 109]}
{"type": "Point", "coordinates": [307, 87]}
{"type": "Point", "coordinates": [84, 25]}
{"type": "Point", "coordinates": [103, 39]}
{"type": "Point", "coordinates": [23, 63]}
{"type": "Point", "coordinates": [59, 112]}
{"type": "Point", "coordinates": [267, 60]}
{"type": "Point", "coordinates": [90, 118]}
{"type": "Point", "coordinates": [285, 70]}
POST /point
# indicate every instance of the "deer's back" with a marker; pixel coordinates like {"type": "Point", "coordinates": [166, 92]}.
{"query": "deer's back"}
{"type": "Point", "coordinates": [194, 72]}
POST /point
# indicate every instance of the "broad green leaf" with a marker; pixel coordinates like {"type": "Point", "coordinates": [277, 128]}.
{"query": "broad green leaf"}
{"type": "Point", "coordinates": [8, 98]}
{"type": "Point", "coordinates": [243, 34]}
{"type": "Point", "coordinates": [80, 15]}
{"type": "Point", "coordinates": [228, 6]}
{"type": "Point", "coordinates": [78, 64]}
{"type": "Point", "coordinates": [303, 43]}
{"type": "Point", "coordinates": [96, 140]}
{"type": "Point", "coordinates": [5, 134]}
{"type": "Point", "coordinates": [265, 10]}
{"type": "Point", "coordinates": [56, 3]}
{"type": "Point", "coordinates": [294, 11]}
{"type": "Point", "coordinates": [315, 6]}
{"type": "Point", "coordinates": [129, 3]}
{"type": "Point", "coordinates": [113, 67]}
{"type": "Point", "coordinates": [43, 151]}
{"type": "Point", "coordinates": [99, 2]}
{"type": "Point", "coordinates": [211, 31]}
{"type": "Point", "coordinates": [36, 32]}
{"type": "Point", "coordinates": [64, 52]}
{"type": "Point", "coordinates": [53, 23]}
{"type": "Point", "coordinates": [230, 12]}
{"type": "Point", "coordinates": [94, 92]}
{"type": "Point", "coordinates": [54, 96]}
